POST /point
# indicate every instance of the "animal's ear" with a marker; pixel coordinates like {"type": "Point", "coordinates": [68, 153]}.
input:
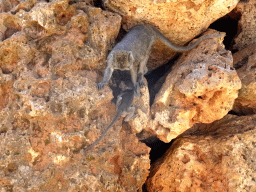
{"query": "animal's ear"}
{"type": "Point", "coordinates": [130, 57]}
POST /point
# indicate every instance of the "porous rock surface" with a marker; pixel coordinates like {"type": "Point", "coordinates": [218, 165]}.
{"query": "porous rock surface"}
{"type": "Point", "coordinates": [142, 110]}
{"type": "Point", "coordinates": [201, 88]}
{"type": "Point", "coordinates": [50, 107]}
{"type": "Point", "coordinates": [60, 30]}
{"type": "Point", "coordinates": [246, 25]}
{"type": "Point", "coordinates": [51, 54]}
{"type": "Point", "coordinates": [215, 157]}
{"type": "Point", "coordinates": [179, 21]}
{"type": "Point", "coordinates": [245, 62]}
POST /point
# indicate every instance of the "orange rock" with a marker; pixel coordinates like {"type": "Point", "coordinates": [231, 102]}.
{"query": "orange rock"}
{"type": "Point", "coordinates": [201, 88]}
{"type": "Point", "coordinates": [214, 157]}
{"type": "Point", "coordinates": [50, 107]}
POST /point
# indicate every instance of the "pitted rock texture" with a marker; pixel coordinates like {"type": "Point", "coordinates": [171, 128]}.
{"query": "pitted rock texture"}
{"type": "Point", "coordinates": [179, 21]}
{"type": "Point", "coordinates": [50, 107]}
{"type": "Point", "coordinates": [142, 110]}
{"type": "Point", "coordinates": [201, 88]}
{"type": "Point", "coordinates": [215, 157]}
{"type": "Point", "coordinates": [247, 24]}
{"type": "Point", "coordinates": [7, 5]}
{"type": "Point", "coordinates": [65, 32]}
{"type": "Point", "coordinates": [245, 62]}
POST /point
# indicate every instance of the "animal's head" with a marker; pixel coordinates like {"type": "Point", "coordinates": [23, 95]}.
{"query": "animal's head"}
{"type": "Point", "coordinates": [122, 60]}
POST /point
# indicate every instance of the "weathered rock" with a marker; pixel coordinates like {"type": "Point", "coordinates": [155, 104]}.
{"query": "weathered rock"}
{"type": "Point", "coordinates": [179, 21]}
{"type": "Point", "coordinates": [142, 110]}
{"type": "Point", "coordinates": [15, 52]}
{"type": "Point", "coordinates": [50, 107]}
{"type": "Point", "coordinates": [25, 5]}
{"type": "Point", "coordinates": [62, 30]}
{"type": "Point", "coordinates": [247, 24]}
{"type": "Point", "coordinates": [218, 157]}
{"type": "Point", "coordinates": [51, 16]}
{"type": "Point", "coordinates": [9, 25]}
{"type": "Point", "coordinates": [245, 62]}
{"type": "Point", "coordinates": [51, 121]}
{"type": "Point", "coordinates": [201, 88]}
{"type": "Point", "coordinates": [102, 33]}
{"type": "Point", "coordinates": [7, 5]}
{"type": "Point", "coordinates": [6, 85]}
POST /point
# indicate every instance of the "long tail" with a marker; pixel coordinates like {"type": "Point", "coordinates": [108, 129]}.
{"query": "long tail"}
{"type": "Point", "coordinates": [182, 48]}
{"type": "Point", "coordinates": [104, 132]}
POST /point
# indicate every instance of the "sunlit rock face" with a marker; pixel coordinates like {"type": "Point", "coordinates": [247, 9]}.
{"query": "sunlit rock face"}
{"type": "Point", "coordinates": [52, 54]}
{"type": "Point", "coordinates": [218, 156]}
{"type": "Point", "coordinates": [201, 88]}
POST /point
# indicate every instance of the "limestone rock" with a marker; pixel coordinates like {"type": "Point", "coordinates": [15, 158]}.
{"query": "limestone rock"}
{"type": "Point", "coordinates": [15, 52]}
{"type": "Point", "coordinates": [245, 61]}
{"type": "Point", "coordinates": [201, 88]}
{"type": "Point", "coordinates": [50, 107]}
{"type": "Point", "coordinates": [218, 157]}
{"type": "Point", "coordinates": [51, 16]}
{"type": "Point", "coordinates": [51, 122]}
{"type": "Point", "coordinates": [142, 110]}
{"type": "Point", "coordinates": [102, 33]}
{"type": "Point", "coordinates": [247, 24]}
{"type": "Point", "coordinates": [179, 21]}
{"type": "Point", "coordinates": [64, 31]}
{"type": "Point", "coordinates": [26, 5]}
{"type": "Point", "coordinates": [9, 25]}
{"type": "Point", "coordinates": [7, 5]}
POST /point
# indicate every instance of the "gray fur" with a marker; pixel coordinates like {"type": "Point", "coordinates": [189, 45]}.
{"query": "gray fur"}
{"type": "Point", "coordinates": [133, 51]}
{"type": "Point", "coordinates": [123, 107]}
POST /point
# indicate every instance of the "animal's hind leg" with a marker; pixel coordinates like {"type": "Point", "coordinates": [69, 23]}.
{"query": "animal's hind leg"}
{"type": "Point", "coordinates": [129, 114]}
{"type": "Point", "coordinates": [137, 90]}
{"type": "Point", "coordinates": [142, 70]}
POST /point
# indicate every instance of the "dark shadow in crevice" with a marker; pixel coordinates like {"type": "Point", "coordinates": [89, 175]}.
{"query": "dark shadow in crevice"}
{"type": "Point", "coordinates": [229, 24]}
{"type": "Point", "coordinates": [158, 147]}
{"type": "Point", "coordinates": [144, 188]}
{"type": "Point", "coordinates": [156, 78]}
{"type": "Point", "coordinates": [99, 3]}
{"type": "Point", "coordinates": [234, 113]}
{"type": "Point", "coordinates": [244, 111]}
{"type": "Point", "coordinates": [89, 3]}
{"type": "Point", "coordinates": [120, 35]}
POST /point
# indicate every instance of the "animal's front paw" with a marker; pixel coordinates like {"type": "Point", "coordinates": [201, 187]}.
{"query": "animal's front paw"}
{"type": "Point", "coordinates": [101, 85]}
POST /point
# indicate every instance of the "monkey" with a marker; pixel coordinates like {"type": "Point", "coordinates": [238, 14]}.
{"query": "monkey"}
{"type": "Point", "coordinates": [123, 107]}
{"type": "Point", "coordinates": [133, 51]}
{"type": "Point", "coordinates": [131, 54]}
